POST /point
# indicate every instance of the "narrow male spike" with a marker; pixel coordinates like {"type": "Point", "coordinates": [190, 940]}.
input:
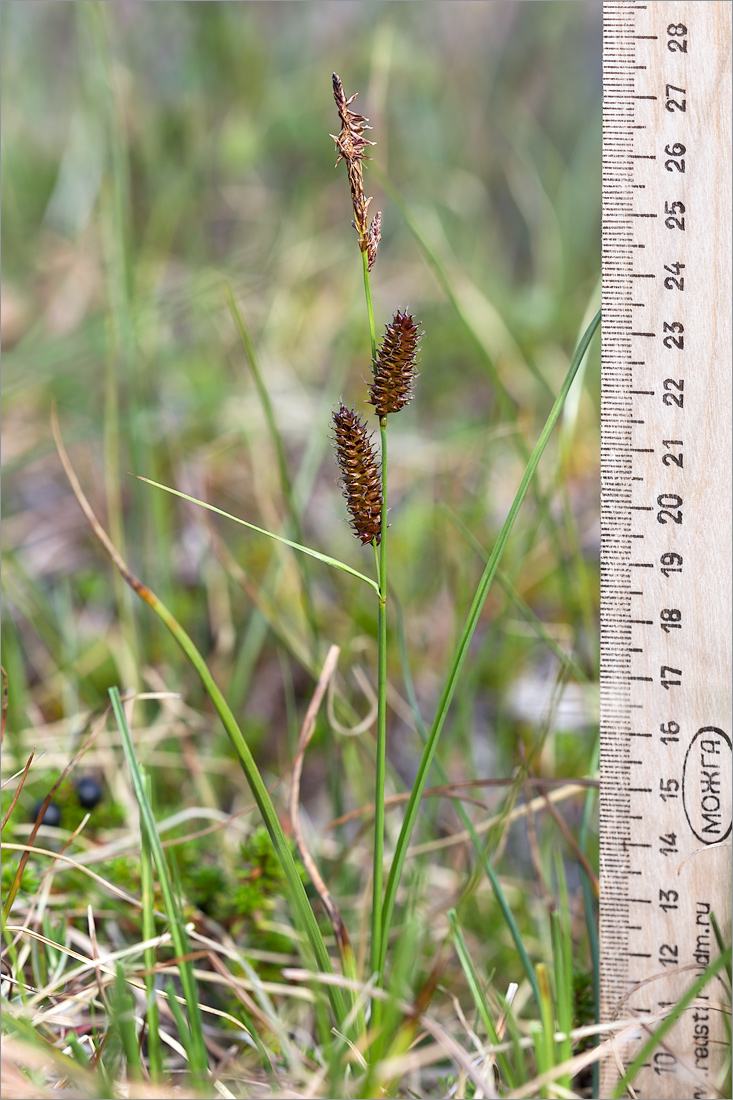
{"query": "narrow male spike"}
{"type": "Point", "coordinates": [360, 474]}
{"type": "Point", "coordinates": [351, 144]}
{"type": "Point", "coordinates": [393, 371]}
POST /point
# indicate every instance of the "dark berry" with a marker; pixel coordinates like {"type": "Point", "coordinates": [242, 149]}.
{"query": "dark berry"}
{"type": "Point", "coordinates": [52, 815]}
{"type": "Point", "coordinates": [89, 792]}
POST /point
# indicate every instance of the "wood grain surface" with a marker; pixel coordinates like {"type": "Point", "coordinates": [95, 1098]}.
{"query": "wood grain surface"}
{"type": "Point", "coordinates": [666, 672]}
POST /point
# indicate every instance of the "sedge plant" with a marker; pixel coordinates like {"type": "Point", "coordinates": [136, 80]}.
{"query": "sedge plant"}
{"type": "Point", "coordinates": [364, 481]}
{"type": "Point", "coordinates": [363, 476]}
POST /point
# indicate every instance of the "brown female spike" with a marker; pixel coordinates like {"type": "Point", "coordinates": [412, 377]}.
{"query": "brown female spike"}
{"type": "Point", "coordinates": [393, 373]}
{"type": "Point", "coordinates": [360, 474]}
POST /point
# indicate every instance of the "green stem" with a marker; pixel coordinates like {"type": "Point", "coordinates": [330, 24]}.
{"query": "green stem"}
{"type": "Point", "coordinates": [370, 307]}
{"type": "Point", "coordinates": [376, 945]}
{"type": "Point", "coordinates": [376, 950]}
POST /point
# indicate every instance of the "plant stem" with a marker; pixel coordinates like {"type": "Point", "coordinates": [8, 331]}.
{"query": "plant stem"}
{"type": "Point", "coordinates": [376, 951]}
{"type": "Point", "coordinates": [376, 945]}
{"type": "Point", "coordinates": [370, 307]}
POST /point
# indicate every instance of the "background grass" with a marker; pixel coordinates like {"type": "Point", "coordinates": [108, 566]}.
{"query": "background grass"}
{"type": "Point", "coordinates": [152, 154]}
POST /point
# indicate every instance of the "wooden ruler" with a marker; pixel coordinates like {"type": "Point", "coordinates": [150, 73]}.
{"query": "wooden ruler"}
{"type": "Point", "coordinates": [666, 727]}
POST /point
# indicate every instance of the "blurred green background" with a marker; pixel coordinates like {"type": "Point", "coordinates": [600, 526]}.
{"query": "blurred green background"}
{"type": "Point", "coordinates": [153, 153]}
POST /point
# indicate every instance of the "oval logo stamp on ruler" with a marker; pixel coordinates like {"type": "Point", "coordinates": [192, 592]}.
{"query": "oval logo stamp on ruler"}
{"type": "Point", "coordinates": [706, 794]}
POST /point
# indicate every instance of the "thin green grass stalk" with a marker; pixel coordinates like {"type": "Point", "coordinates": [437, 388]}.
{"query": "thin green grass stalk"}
{"type": "Point", "coordinates": [147, 890]}
{"type": "Point", "coordinates": [192, 1035]}
{"type": "Point", "coordinates": [474, 985]}
{"type": "Point", "coordinates": [123, 1014]}
{"type": "Point", "coordinates": [482, 591]}
{"type": "Point", "coordinates": [722, 962]}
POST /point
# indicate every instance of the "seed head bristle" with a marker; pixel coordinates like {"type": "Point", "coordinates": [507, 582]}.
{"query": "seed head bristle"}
{"type": "Point", "coordinates": [360, 474]}
{"type": "Point", "coordinates": [393, 372]}
{"type": "Point", "coordinates": [351, 145]}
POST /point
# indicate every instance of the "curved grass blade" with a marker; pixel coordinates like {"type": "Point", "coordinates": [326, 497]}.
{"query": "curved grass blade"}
{"type": "Point", "coordinates": [261, 530]}
{"type": "Point", "coordinates": [479, 599]}
{"type": "Point", "coordinates": [302, 911]}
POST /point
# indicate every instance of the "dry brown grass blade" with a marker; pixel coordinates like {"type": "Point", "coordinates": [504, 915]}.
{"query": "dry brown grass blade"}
{"type": "Point", "coordinates": [570, 789]}
{"type": "Point", "coordinates": [449, 790]}
{"type": "Point", "coordinates": [31, 850]}
{"type": "Point", "coordinates": [306, 732]}
{"type": "Point", "coordinates": [16, 796]}
{"type": "Point", "coordinates": [99, 531]}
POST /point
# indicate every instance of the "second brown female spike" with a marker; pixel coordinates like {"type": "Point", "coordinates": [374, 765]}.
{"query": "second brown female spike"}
{"type": "Point", "coordinates": [360, 474]}
{"type": "Point", "coordinates": [393, 373]}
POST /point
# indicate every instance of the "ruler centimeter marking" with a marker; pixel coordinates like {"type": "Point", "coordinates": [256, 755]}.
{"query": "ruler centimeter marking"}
{"type": "Point", "coordinates": [666, 725]}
